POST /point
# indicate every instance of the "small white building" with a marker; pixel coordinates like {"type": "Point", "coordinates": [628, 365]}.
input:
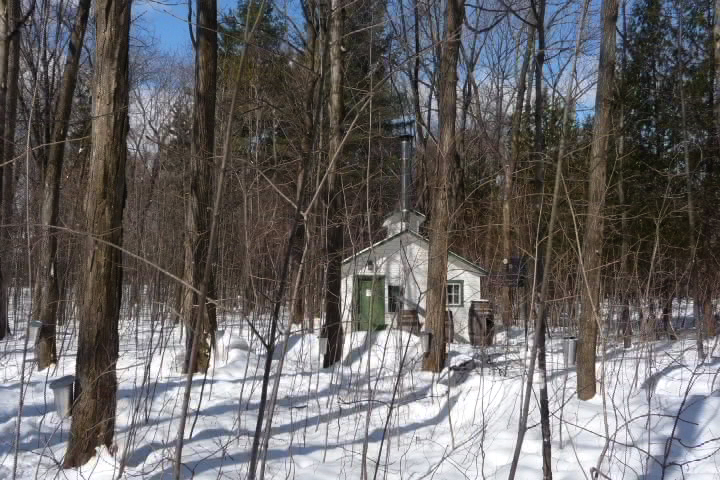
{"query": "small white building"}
{"type": "Point", "coordinates": [391, 275]}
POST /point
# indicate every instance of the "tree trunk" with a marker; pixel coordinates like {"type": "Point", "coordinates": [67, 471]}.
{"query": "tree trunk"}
{"type": "Point", "coordinates": [7, 182]}
{"type": "Point", "coordinates": [710, 237]}
{"type": "Point", "coordinates": [4, 324]}
{"type": "Point", "coordinates": [667, 314]}
{"type": "Point", "coordinates": [593, 241]}
{"type": "Point", "coordinates": [509, 171]}
{"type": "Point", "coordinates": [11, 100]}
{"type": "Point", "coordinates": [625, 323]}
{"type": "Point", "coordinates": [538, 349]}
{"type": "Point", "coordinates": [306, 144]}
{"type": "Point", "coordinates": [707, 309]}
{"type": "Point", "coordinates": [5, 170]}
{"type": "Point", "coordinates": [336, 111]}
{"type": "Point", "coordinates": [526, 119]}
{"type": "Point", "coordinates": [45, 292]}
{"type": "Point", "coordinates": [443, 188]}
{"type": "Point", "coordinates": [694, 278]}
{"type": "Point", "coordinates": [716, 50]}
{"type": "Point", "coordinates": [420, 127]}
{"type": "Point", "coordinates": [197, 214]}
{"type": "Point", "coordinates": [93, 419]}
{"type": "Point", "coordinates": [541, 233]}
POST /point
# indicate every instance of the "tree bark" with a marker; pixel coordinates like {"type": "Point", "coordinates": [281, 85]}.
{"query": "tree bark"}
{"type": "Point", "coordinates": [197, 213]}
{"type": "Point", "coordinates": [4, 324]}
{"type": "Point", "coordinates": [709, 243]}
{"type": "Point", "coordinates": [707, 309]}
{"type": "Point", "coordinates": [541, 233]}
{"type": "Point", "coordinates": [336, 112]}
{"type": "Point", "coordinates": [443, 191]}
{"type": "Point", "coordinates": [697, 269]}
{"type": "Point", "coordinates": [93, 419]}
{"type": "Point", "coordinates": [694, 278]}
{"type": "Point", "coordinates": [716, 59]}
{"type": "Point", "coordinates": [538, 349]}
{"type": "Point", "coordinates": [306, 145]}
{"type": "Point", "coordinates": [625, 323]}
{"type": "Point", "coordinates": [5, 170]}
{"type": "Point", "coordinates": [593, 241]}
{"type": "Point", "coordinates": [667, 311]}
{"type": "Point", "coordinates": [204, 276]}
{"type": "Point", "coordinates": [45, 291]}
{"type": "Point", "coordinates": [7, 173]}
{"type": "Point", "coordinates": [509, 171]}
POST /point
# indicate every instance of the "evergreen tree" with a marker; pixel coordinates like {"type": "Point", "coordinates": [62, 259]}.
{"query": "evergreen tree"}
{"type": "Point", "coordinates": [268, 34]}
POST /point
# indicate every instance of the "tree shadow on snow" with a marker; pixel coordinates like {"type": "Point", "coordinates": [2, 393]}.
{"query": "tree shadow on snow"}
{"type": "Point", "coordinates": [226, 460]}
{"type": "Point", "coordinates": [686, 438]}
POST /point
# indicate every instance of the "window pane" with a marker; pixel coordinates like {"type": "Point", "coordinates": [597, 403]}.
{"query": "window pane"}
{"type": "Point", "coordinates": [395, 293]}
{"type": "Point", "coordinates": [454, 294]}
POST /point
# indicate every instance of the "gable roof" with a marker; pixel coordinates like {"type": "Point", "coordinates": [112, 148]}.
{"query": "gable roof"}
{"type": "Point", "coordinates": [419, 237]}
{"type": "Point", "coordinates": [396, 213]}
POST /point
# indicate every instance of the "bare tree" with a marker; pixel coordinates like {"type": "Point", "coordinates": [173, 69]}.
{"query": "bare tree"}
{"type": "Point", "coordinates": [548, 234]}
{"type": "Point", "coordinates": [314, 34]}
{"type": "Point", "coordinates": [197, 212]}
{"type": "Point", "coordinates": [509, 166]}
{"type": "Point", "coordinates": [591, 263]}
{"type": "Point", "coordinates": [7, 174]}
{"type": "Point", "coordinates": [716, 59]}
{"type": "Point", "coordinates": [5, 167]}
{"type": "Point", "coordinates": [93, 420]}
{"type": "Point", "coordinates": [336, 112]}
{"type": "Point", "coordinates": [694, 288]}
{"type": "Point", "coordinates": [45, 291]}
{"type": "Point", "coordinates": [625, 322]}
{"type": "Point", "coordinates": [540, 231]}
{"type": "Point", "coordinates": [442, 185]}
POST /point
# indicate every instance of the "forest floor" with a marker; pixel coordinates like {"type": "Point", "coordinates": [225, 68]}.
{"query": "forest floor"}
{"type": "Point", "coordinates": [656, 417]}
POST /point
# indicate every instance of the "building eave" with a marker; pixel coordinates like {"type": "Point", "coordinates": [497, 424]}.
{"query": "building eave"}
{"type": "Point", "coordinates": [377, 244]}
{"type": "Point", "coordinates": [415, 234]}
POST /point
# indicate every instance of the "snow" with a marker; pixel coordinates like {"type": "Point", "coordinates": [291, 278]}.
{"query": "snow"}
{"type": "Point", "coordinates": [455, 425]}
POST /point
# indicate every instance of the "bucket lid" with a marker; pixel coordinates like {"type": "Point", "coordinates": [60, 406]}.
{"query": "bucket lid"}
{"type": "Point", "coordinates": [62, 382]}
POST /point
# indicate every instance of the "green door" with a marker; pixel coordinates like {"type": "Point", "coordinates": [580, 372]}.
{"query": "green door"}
{"type": "Point", "coordinates": [370, 298]}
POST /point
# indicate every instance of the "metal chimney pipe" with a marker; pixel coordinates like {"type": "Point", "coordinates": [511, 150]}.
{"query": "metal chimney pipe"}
{"type": "Point", "coordinates": [405, 178]}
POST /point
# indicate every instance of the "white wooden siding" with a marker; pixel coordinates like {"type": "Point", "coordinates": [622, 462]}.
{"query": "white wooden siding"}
{"type": "Point", "coordinates": [403, 260]}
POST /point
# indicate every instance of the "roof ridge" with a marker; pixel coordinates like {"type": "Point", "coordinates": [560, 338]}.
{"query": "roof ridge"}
{"type": "Point", "coordinates": [419, 236]}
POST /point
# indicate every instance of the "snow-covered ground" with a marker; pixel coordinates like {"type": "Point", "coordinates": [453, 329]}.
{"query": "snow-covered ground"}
{"type": "Point", "coordinates": [657, 416]}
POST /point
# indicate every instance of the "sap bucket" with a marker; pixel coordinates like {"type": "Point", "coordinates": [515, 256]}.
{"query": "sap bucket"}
{"type": "Point", "coordinates": [63, 393]}
{"type": "Point", "coordinates": [322, 345]}
{"type": "Point", "coordinates": [425, 340]}
{"type": "Point", "coordinates": [569, 350]}
{"type": "Point", "coordinates": [33, 331]}
{"type": "Point", "coordinates": [220, 353]}
{"type": "Point", "coordinates": [179, 362]}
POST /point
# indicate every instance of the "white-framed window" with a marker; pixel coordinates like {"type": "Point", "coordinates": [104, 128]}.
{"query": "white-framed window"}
{"type": "Point", "coordinates": [395, 294]}
{"type": "Point", "coordinates": [455, 294]}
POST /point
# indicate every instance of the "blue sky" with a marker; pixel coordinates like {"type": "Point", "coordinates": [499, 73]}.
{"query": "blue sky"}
{"type": "Point", "coordinates": [167, 21]}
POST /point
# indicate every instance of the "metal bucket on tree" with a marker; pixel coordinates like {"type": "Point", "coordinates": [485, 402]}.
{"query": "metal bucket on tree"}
{"type": "Point", "coordinates": [569, 350]}
{"type": "Point", "coordinates": [63, 394]}
{"type": "Point", "coordinates": [33, 331]}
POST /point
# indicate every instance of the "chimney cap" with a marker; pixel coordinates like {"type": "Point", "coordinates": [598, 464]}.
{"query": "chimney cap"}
{"type": "Point", "coordinates": [401, 127]}
{"type": "Point", "coordinates": [413, 217]}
